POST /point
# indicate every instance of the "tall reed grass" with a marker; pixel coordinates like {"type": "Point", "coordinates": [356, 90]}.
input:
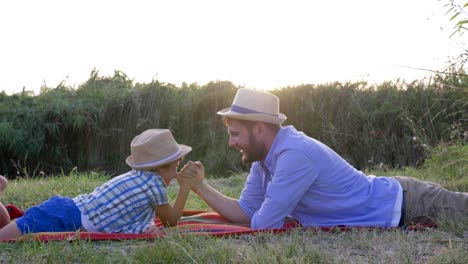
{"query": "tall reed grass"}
{"type": "Point", "coordinates": [90, 128]}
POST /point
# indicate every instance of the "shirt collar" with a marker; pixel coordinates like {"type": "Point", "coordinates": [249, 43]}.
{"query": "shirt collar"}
{"type": "Point", "coordinates": [279, 138]}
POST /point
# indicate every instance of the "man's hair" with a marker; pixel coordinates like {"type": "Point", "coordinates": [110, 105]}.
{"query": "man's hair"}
{"type": "Point", "coordinates": [250, 124]}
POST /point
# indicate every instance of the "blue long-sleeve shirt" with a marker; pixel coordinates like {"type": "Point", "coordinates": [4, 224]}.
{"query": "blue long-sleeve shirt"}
{"type": "Point", "coordinates": [303, 178]}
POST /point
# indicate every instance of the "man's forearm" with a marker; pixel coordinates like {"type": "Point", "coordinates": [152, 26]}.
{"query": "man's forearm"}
{"type": "Point", "coordinates": [226, 206]}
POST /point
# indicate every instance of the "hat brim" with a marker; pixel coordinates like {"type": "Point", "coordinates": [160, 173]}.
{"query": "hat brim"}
{"type": "Point", "coordinates": [184, 151]}
{"type": "Point", "coordinates": [278, 120]}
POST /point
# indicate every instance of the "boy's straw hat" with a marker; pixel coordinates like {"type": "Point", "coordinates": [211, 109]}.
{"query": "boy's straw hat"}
{"type": "Point", "coordinates": [154, 148]}
{"type": "Point", "coordinates": [254, 105]}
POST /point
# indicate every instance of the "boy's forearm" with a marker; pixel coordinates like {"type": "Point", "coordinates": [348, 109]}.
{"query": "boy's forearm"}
{"type": "Point", "coordinates": [179, 204]}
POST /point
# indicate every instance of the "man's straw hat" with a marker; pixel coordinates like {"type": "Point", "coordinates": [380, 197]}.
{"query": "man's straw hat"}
{"type": "Point", "coordinates": [154, 148]}
{"type": "Point", "coordinates": [254, 105]}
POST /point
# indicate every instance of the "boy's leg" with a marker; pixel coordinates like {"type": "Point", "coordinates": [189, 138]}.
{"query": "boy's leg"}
{"type": "Point", "coordinates": [57, 214]}
{"type": "Point", "coordinates": [4, 215]}
{"type": "Point", "coordinates": [10, 231]}
{"type": "Point", "coordinates": [3, 184]}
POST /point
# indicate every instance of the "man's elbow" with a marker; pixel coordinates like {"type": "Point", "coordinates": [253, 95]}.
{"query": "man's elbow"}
{"type": "Point", "coordinates": [265, 223]}
{"type": "Point", "coordinates": [238, 220]}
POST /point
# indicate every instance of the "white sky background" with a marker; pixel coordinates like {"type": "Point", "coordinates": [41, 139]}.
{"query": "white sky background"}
{"type": "Point", "coordinates": [258, 44]}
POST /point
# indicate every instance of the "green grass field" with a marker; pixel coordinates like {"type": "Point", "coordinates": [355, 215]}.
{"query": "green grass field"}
{"type": "Point", "coordinates": [446, 244]}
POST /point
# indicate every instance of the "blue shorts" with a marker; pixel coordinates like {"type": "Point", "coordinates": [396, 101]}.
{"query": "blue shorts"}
{"type": "Point", "coordinates": [58, 214]}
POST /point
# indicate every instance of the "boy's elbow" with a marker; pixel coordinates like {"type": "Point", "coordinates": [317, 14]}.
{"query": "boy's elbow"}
{"type": "Point", "coordinates": [172, 222]}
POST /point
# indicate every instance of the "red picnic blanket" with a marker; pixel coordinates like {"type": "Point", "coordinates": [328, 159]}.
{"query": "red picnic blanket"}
{"type": "Point", "coordinates": [193, 222]}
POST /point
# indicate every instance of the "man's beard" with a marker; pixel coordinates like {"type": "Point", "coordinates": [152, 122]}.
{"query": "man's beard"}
{"type": "Point", "coordinates": [254, 152]}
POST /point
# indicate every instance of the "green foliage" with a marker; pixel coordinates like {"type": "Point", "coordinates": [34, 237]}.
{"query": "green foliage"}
{"type": "Point", "coordinates": [26, 192]}
{"type": "Point", "coordinates": [451, 161]}
{"type": "Point", "coordinates": [447, 165]}
{"type": "Point", "coordinates": [90, 127]}
{"type": "Point", "coordinates": [459, 15]}
{"type": "Point", "coordinates": [389, 124]}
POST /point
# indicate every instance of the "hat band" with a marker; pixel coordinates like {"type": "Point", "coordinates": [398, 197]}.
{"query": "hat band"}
{"type": "Point", "coordinates": [243, 110]}
{"type": "Point", "coordinates": [160, 161]}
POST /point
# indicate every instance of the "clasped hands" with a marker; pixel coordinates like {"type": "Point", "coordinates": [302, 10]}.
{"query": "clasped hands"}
{"type": "Point", "coordinates": [191, 175]}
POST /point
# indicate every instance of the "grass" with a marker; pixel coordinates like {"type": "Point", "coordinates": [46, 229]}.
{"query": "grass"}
{"type": "Point", "coordinates": [447, 244]}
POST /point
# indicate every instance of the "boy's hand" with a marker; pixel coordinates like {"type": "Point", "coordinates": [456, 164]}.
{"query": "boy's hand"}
{"type": "Point", "coordinates": [153, 230]}
{"type": "Point", "coordinates": [192, 174]}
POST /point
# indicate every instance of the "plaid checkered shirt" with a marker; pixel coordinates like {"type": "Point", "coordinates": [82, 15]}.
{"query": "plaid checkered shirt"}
{"type": "Point", "coordinates": [125, 204]}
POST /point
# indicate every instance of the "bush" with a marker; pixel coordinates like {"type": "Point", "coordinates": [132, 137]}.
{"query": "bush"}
{"type": "Point", "coordinates": [91, 127]}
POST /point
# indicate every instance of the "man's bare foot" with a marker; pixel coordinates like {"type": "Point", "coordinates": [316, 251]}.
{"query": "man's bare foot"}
{"type": "Point", "coordinates": [3, 184]}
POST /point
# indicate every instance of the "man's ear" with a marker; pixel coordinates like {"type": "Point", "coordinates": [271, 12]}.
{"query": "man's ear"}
{"type": "Point", "coordinates": [259, 128]}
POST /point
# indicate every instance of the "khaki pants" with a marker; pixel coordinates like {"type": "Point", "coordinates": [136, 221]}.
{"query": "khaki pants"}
{"type": "Point", "coordinates": [427, 202]}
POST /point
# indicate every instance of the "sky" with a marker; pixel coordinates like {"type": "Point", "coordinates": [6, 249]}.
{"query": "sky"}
{"type": "Point", "coordinates": [252, 43]}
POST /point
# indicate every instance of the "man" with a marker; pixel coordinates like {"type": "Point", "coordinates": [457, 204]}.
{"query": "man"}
{"type": "Point", "coordinates": [295, 175]}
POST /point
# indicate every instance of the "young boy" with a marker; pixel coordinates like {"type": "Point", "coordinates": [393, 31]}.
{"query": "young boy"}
{"type": "Point", "coordinates": [126, 204]}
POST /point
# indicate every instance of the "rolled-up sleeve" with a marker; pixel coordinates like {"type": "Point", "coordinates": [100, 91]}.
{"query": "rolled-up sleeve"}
{"type": "Point", "coordinates": [253, 193]}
